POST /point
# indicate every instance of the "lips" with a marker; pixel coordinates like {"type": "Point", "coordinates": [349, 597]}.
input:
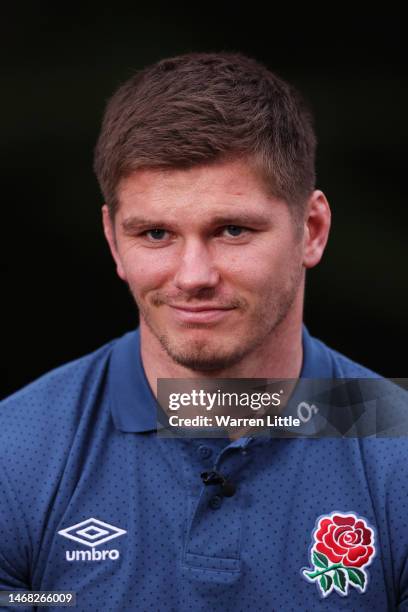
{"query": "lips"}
{"type": "Point", "coordinates": [205, 313]}
{"type": "Point", "coordinates": [200, 308]}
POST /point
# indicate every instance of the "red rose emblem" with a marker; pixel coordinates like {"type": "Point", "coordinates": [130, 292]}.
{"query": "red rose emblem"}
{"type": "Point", "coordinates": [345, 539]}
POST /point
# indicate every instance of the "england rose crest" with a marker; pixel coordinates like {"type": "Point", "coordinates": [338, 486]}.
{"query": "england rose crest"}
{"type": "Point", "coordinates": [343, 547]}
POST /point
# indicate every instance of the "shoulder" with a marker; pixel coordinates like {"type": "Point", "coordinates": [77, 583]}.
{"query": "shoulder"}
{"type": "Point", "coordinates": [53, 401]}
{"type": "Point", "coordinates": [376, 406]}
{"type": "Point", "coordinates": [390, 396]}
{"type": "Point", "coordinates": [381, 406]}
{"type": "Point", "coordinates": [40, 427]}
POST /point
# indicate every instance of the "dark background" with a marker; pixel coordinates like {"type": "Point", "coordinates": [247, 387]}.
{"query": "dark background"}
{"type": "Point", "coordinates": [61, 296]}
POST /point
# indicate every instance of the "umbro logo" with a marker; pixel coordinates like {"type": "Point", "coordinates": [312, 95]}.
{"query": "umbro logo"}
{"type": "Point", "coordinates": [92, 533]}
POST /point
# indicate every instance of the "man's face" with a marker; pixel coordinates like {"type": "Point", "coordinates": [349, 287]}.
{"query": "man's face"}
{"type": "Point", "coordinates": [214, 263]}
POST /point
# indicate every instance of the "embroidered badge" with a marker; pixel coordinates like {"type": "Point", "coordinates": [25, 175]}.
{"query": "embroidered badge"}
{"type": "Point", "coordinates": [343, 547]}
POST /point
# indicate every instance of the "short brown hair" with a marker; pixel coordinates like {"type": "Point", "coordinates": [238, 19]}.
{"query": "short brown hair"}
{"type": "Point", "coordinates": [201, 108]}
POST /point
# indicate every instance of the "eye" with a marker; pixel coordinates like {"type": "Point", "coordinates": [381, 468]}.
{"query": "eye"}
{"type": "Point", "coordinates": [234, 230]}
{"type": "Point", "coordinates": [155, 234]}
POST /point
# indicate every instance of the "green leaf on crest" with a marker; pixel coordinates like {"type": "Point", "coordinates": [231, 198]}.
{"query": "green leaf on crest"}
{"type": "Point", "coordinates": [326, 582]}
{"type": "Point", "coordinates": [320, 560]}
{"type": "Point", "coordinates": [356, 576]}
{"type": "Point", "coordinates": [340, 580]}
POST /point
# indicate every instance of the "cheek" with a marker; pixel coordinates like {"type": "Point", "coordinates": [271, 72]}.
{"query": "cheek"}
{"type": "Point", "coordinates": [252, 272]}
{"type": "Point", "coordinates": [146, 272]}
{"type": "Point", "coordinates": [262, 270]}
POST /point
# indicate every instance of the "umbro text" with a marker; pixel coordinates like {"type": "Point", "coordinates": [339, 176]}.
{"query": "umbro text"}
{"type": "Point", "coordinates": [91, 555]}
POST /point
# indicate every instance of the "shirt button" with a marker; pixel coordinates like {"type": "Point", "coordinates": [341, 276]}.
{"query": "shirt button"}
{"type": "Point", "coordinates": [204, 452]}
{"type": "Point", "coordinates": [215, 502]}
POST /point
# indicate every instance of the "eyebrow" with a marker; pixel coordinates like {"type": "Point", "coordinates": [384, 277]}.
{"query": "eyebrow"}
{"type": "Point", "coordinates": [137, 223]}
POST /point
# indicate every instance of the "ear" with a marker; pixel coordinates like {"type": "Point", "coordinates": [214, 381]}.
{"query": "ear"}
{"type": "Point", "coordinates": [109, 231]}
{"type": "Point", "coordinates": [317, 227]}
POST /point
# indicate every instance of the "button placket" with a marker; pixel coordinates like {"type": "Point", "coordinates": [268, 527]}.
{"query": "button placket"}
{"type": "Point", "coordinates": [214, 538]}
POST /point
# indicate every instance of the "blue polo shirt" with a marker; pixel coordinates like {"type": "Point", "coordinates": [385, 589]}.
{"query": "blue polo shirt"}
{"type": "Point", "coordinates": [93, 501]}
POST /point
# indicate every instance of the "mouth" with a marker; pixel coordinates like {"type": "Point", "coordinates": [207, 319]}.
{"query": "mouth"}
{"type": "Point", "coordinates": [201, 314]}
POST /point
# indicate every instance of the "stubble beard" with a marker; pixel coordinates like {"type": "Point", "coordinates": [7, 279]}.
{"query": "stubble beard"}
{"type": "Point", "coordinates": [205, 355]}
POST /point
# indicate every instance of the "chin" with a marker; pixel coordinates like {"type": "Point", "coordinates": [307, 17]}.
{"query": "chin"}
{"type": "Point", "coordinates": [202, 355]}
{"type": "Point", "coordinates": [200, 363]}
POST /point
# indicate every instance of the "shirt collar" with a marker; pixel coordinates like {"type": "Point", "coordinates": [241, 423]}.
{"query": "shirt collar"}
{"type": "Point", "coordinates": [133, 405]}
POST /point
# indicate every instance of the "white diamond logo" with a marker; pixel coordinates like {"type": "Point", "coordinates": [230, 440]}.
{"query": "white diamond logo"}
{"type": "Point", "coordinates": [92, 532]}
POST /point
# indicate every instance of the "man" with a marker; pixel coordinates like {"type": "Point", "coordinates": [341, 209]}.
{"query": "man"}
{"type": "Point", "coordinates": [206, 163]}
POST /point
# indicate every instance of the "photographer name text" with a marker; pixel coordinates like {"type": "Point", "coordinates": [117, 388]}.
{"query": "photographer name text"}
{"type": "Point", "coordinates": [228, 421]}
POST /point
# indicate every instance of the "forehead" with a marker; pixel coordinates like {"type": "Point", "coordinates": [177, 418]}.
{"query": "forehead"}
{"type": "Point", "coordinates": [233, 179]}
{"type": "Point", "coordinates": [199, 197]}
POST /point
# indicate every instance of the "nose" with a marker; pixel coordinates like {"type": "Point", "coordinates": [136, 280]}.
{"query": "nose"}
{"type": "Point", "coordinates": [196, 269]}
